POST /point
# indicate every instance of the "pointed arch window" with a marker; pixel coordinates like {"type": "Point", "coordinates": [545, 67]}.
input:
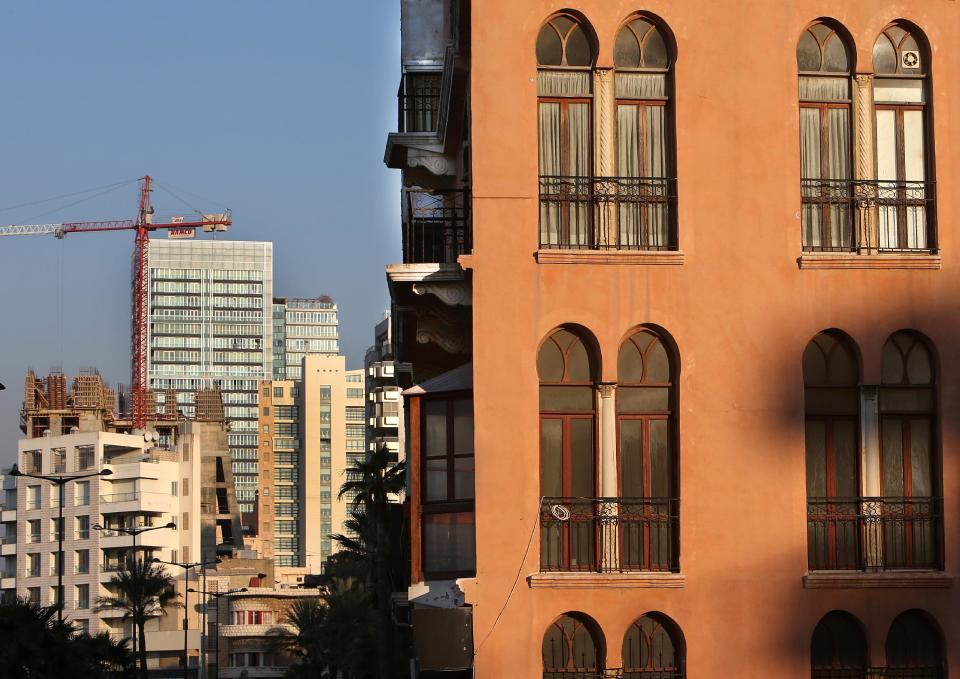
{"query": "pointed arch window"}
{"type": "Point", "coordinates": [914, 647]}
{"type": "Point", "coordinates": [908, 463]}
{"type": "Point", "coordinates": [646, 182]}
{"type": "Point", "coordinates": [825, 64]}
{"type": "Point", "coordinates": [572, 649]}
{"type": "Point", "coordinates": [831, 377]}
{"type": "Point", "coordinates": [646, 431]}
{"type": "Point", "coordinates": [565, 58]}
{"type": "Point", "coordinates": [567, 369]}
{"type": "Point", "coordinates": [901, 91]}
{"type": "Point", "coordinates": [653, 649]}
{"type": "Point", "coordinates": [838, 648]}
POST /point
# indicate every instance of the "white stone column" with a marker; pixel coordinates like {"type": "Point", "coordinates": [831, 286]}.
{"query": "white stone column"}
{"type": "Point", "coordinates": [610, 553]}
{"type": "Point", "coordinates": [604, 105]}
{"type": "Point", "coordinates": [870, 475]}
{"type": "Point", "coordinates": [864, 163]}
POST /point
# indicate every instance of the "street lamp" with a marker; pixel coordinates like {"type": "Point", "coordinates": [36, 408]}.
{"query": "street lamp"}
{"type": "Point", "coordinates": [187, 567]}
{"type": "Point", "coordinates": [216, 596]}
{"type": "Point", "coordinates": [134, 532]}
{"type": "Point", "coordinates": [60, 481]}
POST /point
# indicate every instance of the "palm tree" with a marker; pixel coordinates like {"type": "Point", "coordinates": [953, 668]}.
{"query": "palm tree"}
{"type": "Point", "coordinates": [374, 483]}
{"type": "Point", "coordinates": [104, 657]}
{"type": "Point", "coordinates": [141, 590]}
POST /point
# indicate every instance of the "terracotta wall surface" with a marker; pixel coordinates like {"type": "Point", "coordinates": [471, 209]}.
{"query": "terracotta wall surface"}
{"type": "Point", "coordinates": [741, 312]}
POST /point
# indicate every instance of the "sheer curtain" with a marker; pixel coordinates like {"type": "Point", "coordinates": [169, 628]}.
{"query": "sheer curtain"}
{"type": "Point", "coordinates": [549, 167]}
{"type": "Point", "coordinates": [578, 121]}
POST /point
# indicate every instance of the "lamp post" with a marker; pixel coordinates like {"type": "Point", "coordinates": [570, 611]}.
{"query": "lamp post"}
{"type": "Point", "coordinates": [60, 481]}
{"type": "Point", "coordinates": [187, 567]}
{"type": "Point", "coordinates": [216, 596]}
{"type": "Point", "coordinates": [134, 531]}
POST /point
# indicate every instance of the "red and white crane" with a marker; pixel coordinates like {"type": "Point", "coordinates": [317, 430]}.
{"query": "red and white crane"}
{"type": "Point", "coordinates": [142, 226]}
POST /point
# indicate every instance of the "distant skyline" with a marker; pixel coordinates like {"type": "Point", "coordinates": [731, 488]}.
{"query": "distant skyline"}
{"type": "Point", "coordinates": [279, 112]}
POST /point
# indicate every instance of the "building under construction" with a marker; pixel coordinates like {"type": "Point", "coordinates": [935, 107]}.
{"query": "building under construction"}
{"type": "Point", "coordinates": [50, 409]}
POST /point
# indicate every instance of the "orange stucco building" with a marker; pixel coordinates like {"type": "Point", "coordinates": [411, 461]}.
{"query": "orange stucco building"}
{"type": "Point", "coordinates": [680, 292]}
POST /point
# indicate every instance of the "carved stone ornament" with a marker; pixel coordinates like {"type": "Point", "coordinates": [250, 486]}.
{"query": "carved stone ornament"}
{"type": "Point", "coordinates": [452, 294]}
{"type": "Point", "coordinates": [442, 332]}
{"type": "Point", "coordinates": [435, 163]}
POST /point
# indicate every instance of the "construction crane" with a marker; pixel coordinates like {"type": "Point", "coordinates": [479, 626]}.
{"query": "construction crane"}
{"type": "Point", "coordinates": [142, 226]}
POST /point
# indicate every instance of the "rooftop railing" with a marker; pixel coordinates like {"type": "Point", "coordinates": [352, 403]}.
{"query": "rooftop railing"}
{"type": "Point", "coordinates": [875, 533]}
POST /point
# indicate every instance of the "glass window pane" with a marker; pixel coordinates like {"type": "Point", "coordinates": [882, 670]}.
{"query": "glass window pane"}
{"type": "Point", "coordinates": [655, 51]}
{"type": "Point", "coordinates": [898, 91]}
{"type": "Point", "coordinates": [435, 480]}
{"type": "Point", "coordinates": [463, 426]}
{"type": "Point", "coordinates": [578, 363]}
{"type": "Point", "coordinates": [658, 363]}
{"type": "Point", "coordinates": [629, 361]}
{"type": "Point", "coordinates": [891, 460]}
{"type": "Point", "coordinates": [914, 165]}
{"type": "Point", "coordinates": [463, 478]}
{"type": "Point", "coordinates": [808, 53]}
{"type": "Point", "coordinates": [449, 543]}
{"type": "Point", "coordinates": [578, 48]}
{"type": "Point", "coordinates": [550, 359]}
{"type": "Point", "coordinates": [845, 456]}
{"type": "Point", "coordinates": [920, 458]}
{"type": "Point", "coordinates": [815, 432]}
{"type": "Point", "coordinates": [626, 52]}
{"type": "Point", "coordinates": [549, 47]}
{"type": "Point", "coordinates": [884, 56]}
{"type": "Point", "coordinates": [643, 399]}
{"type": "Point", "coordinates": [582, 479]}
{"type": "Point", "coordinates": [905, 400]}
{"type": "Point", "coordinates": [835, 55]}
{"type": "Point", "coordinates": [631, 458]}
{"type": "Point", "coordinates": [919, 366]}
{"type": "Point", "coordinates": [551, 457]}
{"type": "Point", "coordinates": [435, 428]}
{"type": "Point", "coordinates": [567, 399]}
{"type": "Point", "coordinates": [660, 459]}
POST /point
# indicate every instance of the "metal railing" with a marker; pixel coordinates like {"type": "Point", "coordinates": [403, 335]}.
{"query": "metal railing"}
{"type": "Point", "coordinates": [921, 672]}
{"type": "Point", "coordinates": [418, 101]}
{"type": "Point", "coordinates": [617, 213]}
{"type": "Point", "coordinates": [845, 215]}
{"type": "Point", "coordinates": [608, 535]}
{"type": "Point", "coordinates": [436, 226]}
{"type": "Point", "coordinates": [875, 533]}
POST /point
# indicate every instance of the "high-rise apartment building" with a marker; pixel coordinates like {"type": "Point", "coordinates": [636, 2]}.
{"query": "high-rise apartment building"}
{"type": "Point", "coordinates": [300, 327]}
{"type": "Point", "coordinates": [703, 316]}
{"type": "Point", "coordinates": [310, 431]}
{"type": "Point", "coordinates": [211, 304]}
{"type": "Point", "coordinates": [385, 378]}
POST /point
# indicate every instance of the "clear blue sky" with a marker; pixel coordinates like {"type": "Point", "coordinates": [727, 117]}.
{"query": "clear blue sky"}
{"type": "Point", "coordinates": [278, 110]}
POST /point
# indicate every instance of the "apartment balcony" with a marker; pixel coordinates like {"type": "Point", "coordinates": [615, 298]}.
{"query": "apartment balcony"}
{"type": "Point", "coordinates": [268, 630]}
{"type": "Point", "coordinates": [608, 213]}
{"type": "Point", "coordinates": [868, 216]}
{"type": "Point", "coordinates": [140, 501]}
{"type": "Point", "coordinates": [436, 226]}
{"type": "Point", "coordinates": [874, 534]}
{"type": "Point", "coordinates": [418, 101]}
{"type": "Point", "coordinates": [927, 672]}
{"type": "Point", "coordinates": [8, 515]}
{"type": "Point", "coordinates": [8, 581]}
{"type": "Point", "coordinates": [609, 535]}
{"type": "Point", "coordinates": [252, 672]}
{"type": "Point", "coordinates": [111, 539]}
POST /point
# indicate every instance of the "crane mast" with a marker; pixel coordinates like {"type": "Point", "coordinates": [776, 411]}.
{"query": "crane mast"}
{"type": "Point", "coordinates": [141, 226]}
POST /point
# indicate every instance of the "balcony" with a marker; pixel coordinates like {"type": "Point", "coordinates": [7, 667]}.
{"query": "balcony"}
{"type": "Point", "coordinates": [269, 629]}
{"type": "Point", "coordinates": [418, 101]}
{"type": "Point", "coordinates": [609, 535]}
{"type": "Point", "coordinates": [608, 213]}
{"type": "Point", "coordinates": [873, 534]}
{"type": "Point", "coordinates": [436, 226]}
{"type": "Point", "coordinates": [929, 672]}
{"type": "Point", "coordinates": [864, 216]}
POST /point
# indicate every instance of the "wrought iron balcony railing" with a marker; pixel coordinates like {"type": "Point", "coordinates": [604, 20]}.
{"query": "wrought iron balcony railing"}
{"type": "Point", "coordinates": [436, 226]}
{"type": "Point", "coordinates": [616, 213]}
{"type": "Point", "coordinates": [614, 673]}
{"type": "Point", "coordinates": [418, 101]}
{"type": "Point", "coordinates": [919, 672]}
{"type": "Point", "coordinates": [609, 535]}
{"type": "Point", "coordinates": [875, 533]}
{"type": "Point", "coordinates": [842, 215]}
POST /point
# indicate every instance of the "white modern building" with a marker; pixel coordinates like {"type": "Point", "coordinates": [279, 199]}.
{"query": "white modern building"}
{"type": "Point", "coordinates": [385, 379]}
{"type": "Point", "coordinates": [148, 486]}
{"type": "Point", "coordinates": [211, 325]}
{"type": "Point", "coordinates": [302, 326]}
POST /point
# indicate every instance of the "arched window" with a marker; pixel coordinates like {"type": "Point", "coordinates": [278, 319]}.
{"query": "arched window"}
{"type": "Point", "coordinates": [838, 647]}
{"type": "Point", "coordinates": [901, 63]}
{"type": "Point", "coordinates": [831, 378]}
{"type": "Point", "coordinates": [646, 185]}
{"type": "Point", "coordinates": [908, 463]}
{"type": "Point", "coordinates": [915, 642]}
{"type": "Point", "coordinates": [571, 648]}
{"type": "Point", "coordinates": [565, 57]}
{"type": "Point", "coordinates": [646, 430]}
{"type": "Point", "coordinates": [825, 64]}
{"type": "Point", "coordinates": [568, 458]}
{"type": "Point", "coordinates": [653, 648]}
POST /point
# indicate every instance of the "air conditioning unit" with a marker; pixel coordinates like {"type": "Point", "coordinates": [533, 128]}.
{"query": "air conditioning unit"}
{"type": "Point", "coordinates": [910, 59]}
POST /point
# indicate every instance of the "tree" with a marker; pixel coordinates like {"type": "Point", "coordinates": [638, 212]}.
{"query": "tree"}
{"type": "Point", "coordinates": [36, 645]}
{"type": "Point", "coordinates": [374, 484]}
{"type": "Point", "coordinates": [141, 590]}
